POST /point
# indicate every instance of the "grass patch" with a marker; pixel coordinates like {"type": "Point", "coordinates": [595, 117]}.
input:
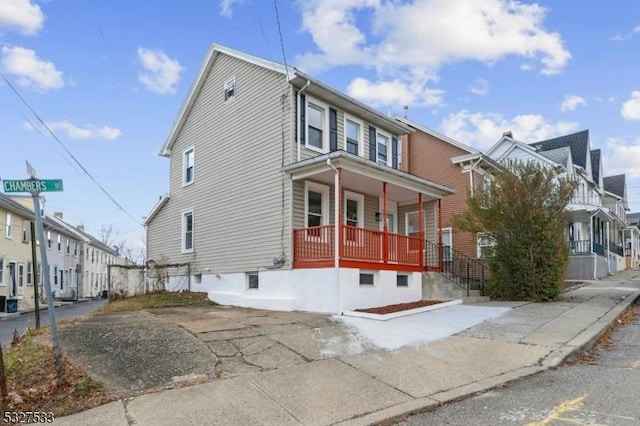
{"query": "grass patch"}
{"type": "Point", "coordinates": [32, 383]}
{"type": "Point", "coordinates": [160, 299]}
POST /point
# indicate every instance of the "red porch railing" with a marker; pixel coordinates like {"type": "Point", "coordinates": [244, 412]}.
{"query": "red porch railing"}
{"type": "Point", "coordinates": [314, 247]}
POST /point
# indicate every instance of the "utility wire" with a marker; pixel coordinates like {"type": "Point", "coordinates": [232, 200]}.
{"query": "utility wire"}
{"type": "Point", "coordinates": [284, 56]}
{"type": "Point", "coordinates": [53, 135]}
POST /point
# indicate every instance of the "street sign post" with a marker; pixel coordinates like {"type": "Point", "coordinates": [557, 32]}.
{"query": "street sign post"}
{"type": "Point", "coordinates": [35, 187]}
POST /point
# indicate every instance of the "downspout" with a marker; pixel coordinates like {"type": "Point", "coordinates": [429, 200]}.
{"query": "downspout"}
{"type": "Point", "coordinates": [307, 84]}
{"type": "Point", "coordinates": [608, 252]}
{"type": "Point", "coordinates": [336, 228]}
{"type": "Point", "coordinates": [595, 256]}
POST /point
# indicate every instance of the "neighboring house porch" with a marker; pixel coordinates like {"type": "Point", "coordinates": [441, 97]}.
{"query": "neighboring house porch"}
{"type": "Point", "coordinates": [588, 236]}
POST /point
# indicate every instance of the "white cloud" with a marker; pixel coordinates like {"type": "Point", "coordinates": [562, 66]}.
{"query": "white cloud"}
{"type": "Point", "coordinates": [30, 70]}
{"type": "Point", "coordinates": [482, 130]}
{"type": "Point", "coordinates": [394, 92]}
{"type": "Point", "coordinates": [571, 102]}
{"type": "Point", "coordinates": [21, 15]}
{"type": "Point", "coordinates": [405, 40]}
{"type": "Point", "coordinates": [87, 132]}
{"type": "Point", "coordinates": [226, 7]}
{"type": "Point", "coordinates": [480, 87]}
{"type": "Point", "coordinates": [621, 156]}
{"type": "Point", "coordinates": [631, 109]}
{"type": "Point", "coordinates": [160, 73]}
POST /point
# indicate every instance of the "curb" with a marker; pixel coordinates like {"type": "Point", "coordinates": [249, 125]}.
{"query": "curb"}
{"type": "Point", "coordinates": [7, 316]}
{"type": "Point", "coordinates": [572, 350]}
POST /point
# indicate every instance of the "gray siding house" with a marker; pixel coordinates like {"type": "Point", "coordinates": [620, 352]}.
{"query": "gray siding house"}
{"type": "Point", "coordinates": [287, 194]}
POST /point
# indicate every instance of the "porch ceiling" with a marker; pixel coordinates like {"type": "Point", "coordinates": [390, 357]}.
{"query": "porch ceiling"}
{"type": "Point", "coordinates": [583, 215]}
{"type": "Point", "coordinates": [365, 176]}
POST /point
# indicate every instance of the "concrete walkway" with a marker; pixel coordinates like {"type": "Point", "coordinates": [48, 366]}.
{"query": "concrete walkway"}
{"type": "Point", "coordinates": [376, 385]}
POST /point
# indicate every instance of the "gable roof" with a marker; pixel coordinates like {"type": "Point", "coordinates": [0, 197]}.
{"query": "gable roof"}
{"type": "Point", "coordinates": [435, 134]}
{"type": "Point", "coordinates": [8, 204]}
{"type": "Point", "coordinates": [577, 142]}
{"type": "Point", "coordinates": [615, 185]}
{"type": "Point", "coordinates": [292, 75]}
{"type": "Point", "coordinates": [560, 155]}
{"type": "Point", "coordinates": [154, 211]}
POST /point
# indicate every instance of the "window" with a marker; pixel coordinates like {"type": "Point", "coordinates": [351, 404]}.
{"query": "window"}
{"type": "Point", "coordinates": [93, 255]}
{"type": "Point", "coordinates": [402, 280]}
{"type": "Point", "coordinates": [353, 135]}
{"type": "Point", "coordinates": [316, 204]}
{"type": "Point", "coordinates": [412, 224]}
{"type": "Point", "coordinates": [315, 126]}
{"type": "Point", "coordinates": [75, 248]}
{"type": "Point", "coordinates": [49, 239]}
{"type": "Point", "coordinates": [8, 231]}
{"type": "Point", "coordinates": [59, 242]}
{"type": "Point", "coordinates": [25, 235]}
{"type": "Point", "coordinates": [485, 246]}
{"type": "Point", "coordinates": [20, 279]}
{"type": "Point", "coordinates": [447, 243]}
{"type": "Point", "coordinates": [187, 232]}
{"type": "Point", "coordinates": [68, 245]}
{"type": "Point", "coordinates": [252, 281]}
{"type": "Point", "coordinates": [55, 275]}
{"type": "Point", "coordinates": [188, 160]}
{"type": "Point", "coordinates": [366, 278]}
{"type": "Point", "coordinates": [62, 279]}
{"type": "Point", "coordinates": [353, 214]}
{"type": "Point", "coordinates": [2, 271]}
{"type": "Point", "coordinates": [230, 89]}
{"type": "Point", "coordinates": [29, 273]}
{"type": "Point", "coordinates": [382, 148]}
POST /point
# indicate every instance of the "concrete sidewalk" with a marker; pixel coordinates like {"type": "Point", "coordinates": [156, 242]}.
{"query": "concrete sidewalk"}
{"type": "Point", "coordinates": [374, 386]}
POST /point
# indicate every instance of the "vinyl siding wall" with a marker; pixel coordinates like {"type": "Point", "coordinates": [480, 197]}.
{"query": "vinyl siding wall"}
{"type": "Point", "coordinates": [240, 197]}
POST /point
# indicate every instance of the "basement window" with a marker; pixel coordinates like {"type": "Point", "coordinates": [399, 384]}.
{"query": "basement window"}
{"type": "Point", "coordinates": [366, 278]}
{"type": "Point", "coordinates": [402, 280]}
{"type": "Point", "coordinates": [252, 281]}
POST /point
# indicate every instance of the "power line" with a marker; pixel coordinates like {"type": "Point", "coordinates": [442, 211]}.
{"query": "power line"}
{"type": "Point", "coordinates": [284, 56]}
{"type": "Point", "coordinates": [53, 135]}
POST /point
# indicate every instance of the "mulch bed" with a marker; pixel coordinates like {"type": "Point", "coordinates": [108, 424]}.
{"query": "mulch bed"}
{"type": "Point", "coordinates": [400, 307]}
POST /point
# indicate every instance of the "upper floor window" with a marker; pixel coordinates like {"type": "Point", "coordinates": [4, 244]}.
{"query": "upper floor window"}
{"type": "Point", "coordinates": [353, 136]}
{"type": "Point", "coordinates": [25, 235]}
{"type": "Point", "coordinates": [316, 119]}
{"type": "Point", "coordinates": [8, 230]}
{"type": "Point", "coordinates": [59, 242]}
{"type": "Point", "coordinates": [382, 148]}
{"type": "Point", "coordinates": [75, 248]}
{"type": "Point", "coordinates": [188, 165]}
{"type": "Point", "coordinates": [229, 88]}
{"type": "Point", "coordinates": [49, 239]}
{"type": "Point", "coordinates": [68, 246]}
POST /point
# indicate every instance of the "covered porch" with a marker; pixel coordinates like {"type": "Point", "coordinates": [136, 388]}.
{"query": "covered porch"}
{"type": "Point", "coordinates": [384, 214]}
{"type": "Point", "coordinates": [588, 234]}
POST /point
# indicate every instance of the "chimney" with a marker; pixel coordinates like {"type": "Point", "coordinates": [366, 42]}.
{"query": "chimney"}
{"type": "Point", "coordinates": [80, 227]}
{"type": "Point", "coordinates": [58, 215]}
{"type": "Point", "coordinates": [508, 134]}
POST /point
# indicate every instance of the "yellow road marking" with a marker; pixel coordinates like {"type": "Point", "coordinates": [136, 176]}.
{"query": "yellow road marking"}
{"type": "Point", "coordinates": [562, 408]}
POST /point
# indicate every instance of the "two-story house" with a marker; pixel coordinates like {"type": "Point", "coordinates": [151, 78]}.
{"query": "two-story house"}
{"type": "Point", "coordinates": [287, 194]}
{"type": "Point", "coordinates": [16, 267]}
{"type": "Point", "coordinates": [615, 199]}
{"type": "Point", "coordinates": [97, 255]}
{"type": "Point", "coordinates": [632, 240]}
{"type": "Point", "coordinates": [588, 222]}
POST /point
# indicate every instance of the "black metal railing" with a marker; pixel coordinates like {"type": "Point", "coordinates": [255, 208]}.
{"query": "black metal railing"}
{"type": "Point", "coordinates": [598, 248]}
{"type": "Point", "coordinates": [469, 273]}
{"type": "Point", "coordinates": [616, 248]}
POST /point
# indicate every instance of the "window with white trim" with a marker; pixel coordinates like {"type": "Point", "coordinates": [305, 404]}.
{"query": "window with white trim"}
{"type": "Point", "coordinates": [75, 248]}
{"type": "Point", "coordinates": [317, 126]}
{"type": "Point", "coordinates": [188, 166]}
{"type": "Point", "coordinates": [485, 246]}
{"type": "Point", "coordinates": [20, 279]}
{"type": "Point", "coordinates": [49, 239]}
{"type": "Point", "coordinates": [68, 243]}
{"type": "Point", "coordinates": [412, 224]}
{"type": "Point", "coordinates": [383, 146]}
{"type": "Point", "coordinates": [316, 208]}
{"type": "Point", "coordinates": [29, 273]}
{"type": "Point", "coordinates": [25, 235]}
{"type": "Point", "coordinates": [402, 280]}
{"type": "Point", "coordinates": [187, 231]}
{"type": "Point", "coordinates": [253, 282]}
{"type": "Point", "coordinates": [2, 271]}
{"type": "Point", "coordinates": [230, 89]}
{"type": "Point", "coordinates": [8, 229]}
{"type": "Point", "coordinates": [353, 136]}
{"type": "Point", "coordinates": [59, 242]}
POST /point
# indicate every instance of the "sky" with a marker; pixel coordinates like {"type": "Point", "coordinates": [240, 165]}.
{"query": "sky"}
{"type": "Point", "coordinates": [93, 87]}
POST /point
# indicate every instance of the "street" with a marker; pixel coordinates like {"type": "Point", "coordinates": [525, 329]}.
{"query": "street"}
{"type": "Point", "coordinates": [62, 312]}
{"type": "Point", "coordinates": [600, 391]}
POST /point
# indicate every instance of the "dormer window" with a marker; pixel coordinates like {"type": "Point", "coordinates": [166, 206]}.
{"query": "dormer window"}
{"type": "Point", "coordinates": [229, 88]}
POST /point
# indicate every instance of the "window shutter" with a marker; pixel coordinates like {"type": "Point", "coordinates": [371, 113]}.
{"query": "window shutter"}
{"type": "Point", "coordinates": [303, 117]}
{"type": "Point", "coordinates": [394, 152]}
{"type": "Point", "coordinates": [333, 130]}
{"type": "Point", "coordinates": [372, 143]}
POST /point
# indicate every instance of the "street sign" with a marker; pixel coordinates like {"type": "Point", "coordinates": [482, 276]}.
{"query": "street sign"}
{"type": "Point", "coordinates": [31, 185]}
{"type": "Point", "coordinates": [31, 171]}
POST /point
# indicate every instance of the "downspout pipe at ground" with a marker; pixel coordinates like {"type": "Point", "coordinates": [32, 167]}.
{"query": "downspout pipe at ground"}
{"type": "Point", "coordinates": [307, 84]}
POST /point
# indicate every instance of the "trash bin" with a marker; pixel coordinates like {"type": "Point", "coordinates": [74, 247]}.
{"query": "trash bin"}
{"type": "Point", "coordinates": [105, 294]}
{"type": "Point", "coordinates": [3, 300]}
{"type": "Point", "coordinates": [12, 306]}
